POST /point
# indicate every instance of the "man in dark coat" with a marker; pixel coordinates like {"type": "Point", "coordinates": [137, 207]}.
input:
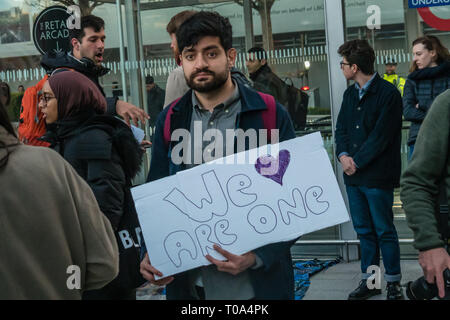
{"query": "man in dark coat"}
{"type": "Point", "coordinates": [155, 99]}
{"type": "Point", "coordinates": [368, 137]}
{"type": "Point", "coordinates": [219, 101]}
{"type": "Point", "coordinates": [264, 80]}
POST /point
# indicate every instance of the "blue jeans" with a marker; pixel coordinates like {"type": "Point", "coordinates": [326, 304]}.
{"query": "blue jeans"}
{"type": "Point", "coordinates": [410, 152]}
{"type": "Point", "coordinates": [373, 220]}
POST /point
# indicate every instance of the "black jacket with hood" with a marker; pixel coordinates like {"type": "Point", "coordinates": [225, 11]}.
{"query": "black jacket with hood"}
{"type": "Point", "coordinates": [51, 62]}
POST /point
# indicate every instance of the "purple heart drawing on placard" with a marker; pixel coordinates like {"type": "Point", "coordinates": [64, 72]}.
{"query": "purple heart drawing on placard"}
{"type": "Point", "coordinates": [272, 168]}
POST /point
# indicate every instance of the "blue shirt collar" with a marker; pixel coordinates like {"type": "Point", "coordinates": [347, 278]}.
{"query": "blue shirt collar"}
{"type": "Point", "coordinates": [363, 90]}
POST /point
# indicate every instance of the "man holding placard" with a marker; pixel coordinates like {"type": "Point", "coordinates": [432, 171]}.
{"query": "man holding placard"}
{"type": "Point", "coordinates": [216, 101]}
{"type": "Point", "coordinates": [368, 137]}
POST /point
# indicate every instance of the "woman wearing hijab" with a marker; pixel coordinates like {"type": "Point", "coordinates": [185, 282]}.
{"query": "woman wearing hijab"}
{"type": "Point", "coordinates": [429, 77]}
{"type": "Point", "coordinates": [104, 152]}
{"type": "Point", "coordinates": [49, 221]}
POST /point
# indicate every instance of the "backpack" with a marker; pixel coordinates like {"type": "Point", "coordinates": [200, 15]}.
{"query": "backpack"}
{"type": "Point", "coordinates": [31, 124]}
{"type": "Point", "coordinates": [297, 105]}
{"type": "Point", "coordinates": [269, 116]}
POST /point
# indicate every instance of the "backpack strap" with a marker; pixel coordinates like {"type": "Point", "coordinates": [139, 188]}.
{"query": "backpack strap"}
{"type": "Point", "coordinates": [269, 116]}
{"type": "Point", "coordinates": [167, 122]}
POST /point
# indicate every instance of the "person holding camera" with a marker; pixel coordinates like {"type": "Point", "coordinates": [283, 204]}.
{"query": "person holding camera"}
{"type": "Point", "coordinates": [421, 183]}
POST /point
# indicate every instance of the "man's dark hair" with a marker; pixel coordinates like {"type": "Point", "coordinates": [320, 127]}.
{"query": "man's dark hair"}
{"type": "Point", "coordinates": [178, 19]}
{"type": "Point", "coordinates": [260, 53]}
{"type": "Point", "coordinates": [89, 21]}
{"type": "Point", "coordinates": [359, 52]}
{"type": "Point", "coordinates": [203, 24]}
{"type": "Point", "coordinates": [149, 80]}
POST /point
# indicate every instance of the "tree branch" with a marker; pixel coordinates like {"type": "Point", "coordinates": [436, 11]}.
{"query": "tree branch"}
{"type": "Point", "coordinates": [85, 5]}
{"type": "Point", "coordinates": [67, 2]}
{"type": "Point", "coordinates": [96, 4]}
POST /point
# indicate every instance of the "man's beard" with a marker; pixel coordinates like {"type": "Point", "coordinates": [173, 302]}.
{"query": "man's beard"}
{"type": "Point", "coordinates": [217, 81]}
{"type": "Point", "coordinates": [96, 63]}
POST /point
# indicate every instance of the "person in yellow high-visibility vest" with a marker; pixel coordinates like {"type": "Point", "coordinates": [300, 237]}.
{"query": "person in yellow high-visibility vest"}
{"type": "Point", "coordinates": [392, 77]}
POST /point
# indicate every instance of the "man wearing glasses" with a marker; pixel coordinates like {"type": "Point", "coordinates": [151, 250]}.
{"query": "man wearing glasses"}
{"type": "Point", "coordinates": [368, 137]}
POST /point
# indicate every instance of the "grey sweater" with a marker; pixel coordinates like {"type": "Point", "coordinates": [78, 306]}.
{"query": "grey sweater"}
{"type": "Point", "coordinates": [176, 86]}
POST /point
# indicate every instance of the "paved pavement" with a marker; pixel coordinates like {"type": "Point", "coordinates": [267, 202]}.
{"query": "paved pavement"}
{"type": "Point", "coordinates": [335, 283]}
{"type": "Point", "coordinates": [338, 281]}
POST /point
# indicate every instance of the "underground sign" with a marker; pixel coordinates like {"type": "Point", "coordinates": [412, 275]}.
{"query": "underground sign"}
{"type": "Point", "coordinates": [434, 21]}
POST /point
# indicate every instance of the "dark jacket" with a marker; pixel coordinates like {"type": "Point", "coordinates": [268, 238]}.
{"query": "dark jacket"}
{"type": "Point", "coordinates": [239, 76]}
{"type": "Point", "coordinates": [50, 62]}
{"type": "Point", "coordinates": [155, 103]}
{"type": "Point", "coordinates": [87, 144]}
{"type": "Point", "coordinates": [264, 80]}
{"type": "Point", "coordinates": [370, 131]}
{"type": "Point", "coordinates": [422, 87]}
{"type": "Point", "coordinates": [275, 279]}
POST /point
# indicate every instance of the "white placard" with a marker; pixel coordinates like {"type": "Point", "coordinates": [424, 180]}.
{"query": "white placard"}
{"type": "Point", "coordinates": [138, 133]}
{"type": "Point", "coordinates": [236, 207]}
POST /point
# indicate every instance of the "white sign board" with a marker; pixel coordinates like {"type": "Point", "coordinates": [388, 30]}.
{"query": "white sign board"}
{"type": "Point", "coordinates": [240, 207]}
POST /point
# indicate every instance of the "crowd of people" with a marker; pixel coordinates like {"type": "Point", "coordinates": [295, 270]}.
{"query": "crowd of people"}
{"type": "Point", "coordinates": [75, 207]}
